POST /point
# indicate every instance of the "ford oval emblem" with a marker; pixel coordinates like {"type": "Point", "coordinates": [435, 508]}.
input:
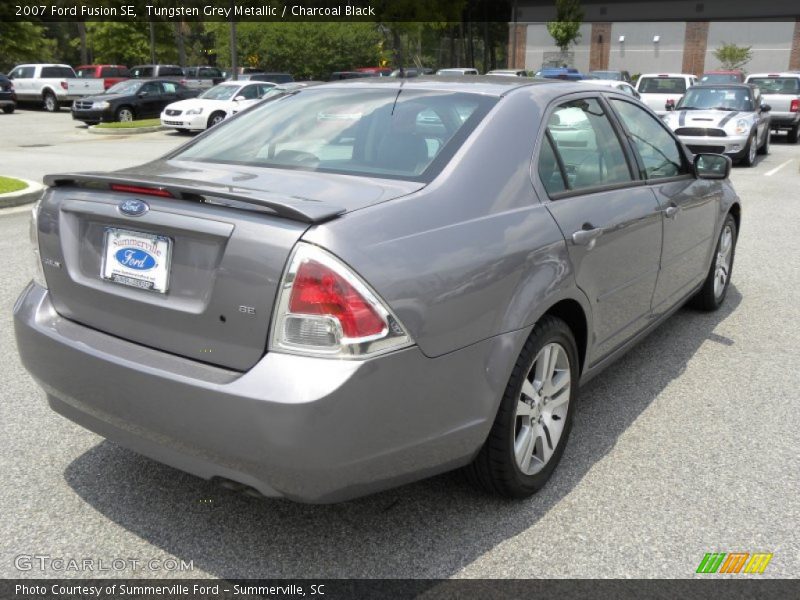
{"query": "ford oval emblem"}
{"type": "Point", "coordinates": [135, 258]}
{"type": "Point", "coordinates": [133, 207]}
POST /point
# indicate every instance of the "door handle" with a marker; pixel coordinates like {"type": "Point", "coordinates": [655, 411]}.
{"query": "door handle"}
{"type": "Point", "coordinates": [586, 236]}
{"type": "Point", "coordinates": [671, 211]}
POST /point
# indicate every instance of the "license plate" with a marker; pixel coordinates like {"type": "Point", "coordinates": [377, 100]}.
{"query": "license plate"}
{"type": "Point", "coordinates": [136, 259]}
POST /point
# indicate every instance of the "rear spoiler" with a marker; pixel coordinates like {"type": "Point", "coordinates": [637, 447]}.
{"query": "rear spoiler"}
{"type": "Point", "coordinates": [295, 208]}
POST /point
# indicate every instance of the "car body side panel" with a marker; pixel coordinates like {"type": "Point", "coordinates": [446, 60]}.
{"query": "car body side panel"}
{"type": "Point", "coordinates": [472, 255]}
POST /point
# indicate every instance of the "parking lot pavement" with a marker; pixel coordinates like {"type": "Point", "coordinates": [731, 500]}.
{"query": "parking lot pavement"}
{"type": "Point", "coordinates": [687, 445]}
{"type": "Point", "coordinates": [36, 142]}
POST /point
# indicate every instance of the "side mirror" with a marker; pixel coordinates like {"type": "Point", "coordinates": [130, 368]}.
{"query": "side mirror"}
{"type": "Point", "coordinates": [766, 108]}
{"type": "Point", "coordinates": [712, 166]}
{"type": "Point", "coordinates": [239, 98]}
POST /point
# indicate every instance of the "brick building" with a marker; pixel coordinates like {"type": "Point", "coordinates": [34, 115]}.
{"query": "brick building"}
{"type": "Point", "coordinates": [663, 36]}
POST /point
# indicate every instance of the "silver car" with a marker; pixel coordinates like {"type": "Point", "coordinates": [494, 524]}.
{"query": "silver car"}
{"type": "Point", "coordinates": [729, 119]}
{"type": "Point", "coordinates": [372, 281]}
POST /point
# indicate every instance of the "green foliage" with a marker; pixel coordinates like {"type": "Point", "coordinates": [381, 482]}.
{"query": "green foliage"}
{"type": "Point", "coordinates": [732, 56]}
{"type": "Point", "coordinates": [22, 42]}
{"type": "Point", "coordinates": [128, 43]}
{"type": "Point", "coordinates": [305, 49]}
{"type": "Point", "coordinates": [565, 30]}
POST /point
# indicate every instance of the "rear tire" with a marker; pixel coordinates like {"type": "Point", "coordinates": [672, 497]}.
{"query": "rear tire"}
{"type": "Point", "coordinates": [793, 134]}
{"type": "Point", "coordinates": [8, 109]}
{"type": "Point", "coordinates": [534, 419]}
{"type": "Point", "coordinates": [50, 102]}
{"type": "Point", "coordinates": [715, 288]}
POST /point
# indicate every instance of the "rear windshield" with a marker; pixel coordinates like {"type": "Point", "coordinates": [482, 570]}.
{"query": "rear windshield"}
{"type": "Point", "coordinates": [57, 72]}
{"type": "Point", "coordinates": [719, 98]}
{"type": "Point", "coordinates": [720, 78]}
{"type": "Point", "coordinates": [662, 85]}
{"type": "Point", "coordinates": [383, 133]}
{"type": "Point", "coordinates": [776, 85]}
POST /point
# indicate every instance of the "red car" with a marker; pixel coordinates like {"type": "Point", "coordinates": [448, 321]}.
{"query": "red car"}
{"type": "Point", "coordinates": [380, 71]}
{"type": "Point", "coordinates": [111, 74]}
{"type": "Point", "coordinates": [734, 76]}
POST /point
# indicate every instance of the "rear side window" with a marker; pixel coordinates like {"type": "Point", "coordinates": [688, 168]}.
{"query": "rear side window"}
{"type": "Point", "coordinates": [549, 170]}
{"type": "Point", "coordinates": [662, 85]}
{"type": "Point", "coordinates": [169, 87]}
{"type": "Point", "coordinates": [250, 92]}
{"type": "Point", "coordinates": [87, 73]}
{"type": "Point", "coordinates": [659, 151]}
{"type": "Point", "coordinates": [587, 145]}
{"type": "Point", "coordinates": [170, 72]}
{"type": "Point", "coordinates": [210, 72]}
{"type": "Point", "coordinates": [57, 72]}
{"type": "Point", "coordinates": [142, 72]}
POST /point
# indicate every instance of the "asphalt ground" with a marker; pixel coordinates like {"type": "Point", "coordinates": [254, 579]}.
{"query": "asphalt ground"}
{"type": "Point", "coordinates": [687, 445]}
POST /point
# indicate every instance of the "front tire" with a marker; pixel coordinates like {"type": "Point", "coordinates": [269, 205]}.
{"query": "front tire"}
{"type": "Point", "coordinates": [215, 119]}
{"type": "Point", "coordinates": [749, 158]}
{"type": "Point", "coordinates": [125, 114]}
{"type": "Point", "coordinates": [534, 419]}
{"type": "Point", "coordinates": [715, 288]}
{"type": "Point", "coordinates": [764, 148]}
{"type": "Point", "coordinates": [50, 102]}
{"type": "Point", "coordinates": [8, 109]}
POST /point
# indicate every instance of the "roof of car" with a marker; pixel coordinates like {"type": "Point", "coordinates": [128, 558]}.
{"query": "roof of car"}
{"type": "Point", "coordinates": [492, 85]}
{"type": "Point", "coordinates": [667, 75]}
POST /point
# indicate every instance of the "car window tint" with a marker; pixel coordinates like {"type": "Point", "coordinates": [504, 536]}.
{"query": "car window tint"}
{"type": "Point", "coordinates": [57, 72]}
{"type": "Point", "coordinates": [152, 88]}
{"type": "Point", "coordinates": [549, 171]}
{"type": "Point", "coordinates": [210, 72]}
{"type": "Point", "coordinates": [170, 71]}
{"type": "Point", "coordinates": [587, 144]}
{"type": "Point", "coordinates": [659, 151]}
{"type": "Point", "coordinates": [169, 87]}
{"type": "Point", "coordinates": [662, 85]}
{"type": "Point", "coordinates": [250, 92]}
{"type": "Point", "coordinates": [373, 132]}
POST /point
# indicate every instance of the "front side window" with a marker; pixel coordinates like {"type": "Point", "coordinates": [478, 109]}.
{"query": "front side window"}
{"type": "Point", "coordinates": [590, 150]}
{"type": "Point", "coordinates": [152, 88]}
{"type": "Point", "coordinates": [124, 87]}
{"type": "Point", "coordinates": [374, 132]}
{"type": "Point", "coordinates": [659, 151]}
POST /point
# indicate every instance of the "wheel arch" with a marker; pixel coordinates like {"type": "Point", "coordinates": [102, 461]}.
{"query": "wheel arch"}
{"type": "Point", "coordinates": [736, 211]}
{"type": "Point", "coordinates": [573, 314]}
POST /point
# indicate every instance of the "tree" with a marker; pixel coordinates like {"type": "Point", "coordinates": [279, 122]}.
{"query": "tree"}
{"type": "Point", "coordinates": [565, 30]}
{"type": "Point", "coordinates": [732, 56]}
{"type": "Point", "coordinates": [23, 41]}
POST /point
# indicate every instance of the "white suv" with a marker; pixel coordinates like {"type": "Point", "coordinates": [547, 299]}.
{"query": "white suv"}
{"type": "Point", "coordinates": [658, 89]}
{"type": "Point", "coordinates": [45, 83]}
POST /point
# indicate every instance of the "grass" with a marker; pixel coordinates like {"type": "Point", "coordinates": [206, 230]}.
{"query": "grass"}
{"type": "Point", "coordinates": [8, 184]}
{"type": "Point", "coordinates": [130, 124]}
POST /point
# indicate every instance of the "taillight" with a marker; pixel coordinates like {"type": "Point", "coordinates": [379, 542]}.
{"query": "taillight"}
{"type": "Point", "coordinates": [138, 189]}
{"type": "Point", "coordinates": [64, 85]}
{"type": "Point", "coordinates": [795, 105]}
{"type": "Point", "coordinates": [325, 309]}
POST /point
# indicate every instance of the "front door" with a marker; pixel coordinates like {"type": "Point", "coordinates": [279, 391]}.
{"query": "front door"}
{"type": "Point", "coordinates": [690, 205]}
{"type": "Point", "coordinates": [610, 220]}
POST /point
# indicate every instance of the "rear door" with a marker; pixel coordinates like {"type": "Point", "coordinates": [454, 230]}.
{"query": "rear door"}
{"type": "Point", "coordinates": [690, 206]}
{"type": "Point", "coordinates": [610, 220]}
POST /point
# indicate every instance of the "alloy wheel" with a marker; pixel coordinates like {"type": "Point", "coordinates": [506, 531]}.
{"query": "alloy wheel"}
{"type": "Point", "coordinates": [723, 262]}
{"type": "Point", "coordinates": [542, 409]}
{"type": "Point", "coordinates": [125, 115]}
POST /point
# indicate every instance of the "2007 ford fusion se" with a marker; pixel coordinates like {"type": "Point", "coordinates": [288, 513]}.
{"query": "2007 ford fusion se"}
{"type": "Point", "coordinates": [369, 282]}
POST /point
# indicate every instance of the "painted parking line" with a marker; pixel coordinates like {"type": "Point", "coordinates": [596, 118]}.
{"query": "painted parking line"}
{"type": "Point", "coordinates": [772, 172]}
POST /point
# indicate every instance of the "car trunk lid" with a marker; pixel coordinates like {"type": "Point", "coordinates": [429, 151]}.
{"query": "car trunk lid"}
{"type": "Point", "coordinates": [196, 272]}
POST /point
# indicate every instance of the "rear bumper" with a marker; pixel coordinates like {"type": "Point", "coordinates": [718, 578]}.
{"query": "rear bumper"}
{"type": "Point", "coordinates": [783, 120]}
{"type": "Point", "coordinates": [312, 430]}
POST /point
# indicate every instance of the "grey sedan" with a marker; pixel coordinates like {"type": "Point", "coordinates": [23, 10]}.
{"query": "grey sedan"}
{"type": "Point", "coordinates": [374, 281]}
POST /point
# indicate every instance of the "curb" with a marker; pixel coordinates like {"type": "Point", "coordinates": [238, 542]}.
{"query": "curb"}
{"type": "Point", "coordinates": [27, 196]}
{"type": "Point", "coordinates": [126, 131]}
